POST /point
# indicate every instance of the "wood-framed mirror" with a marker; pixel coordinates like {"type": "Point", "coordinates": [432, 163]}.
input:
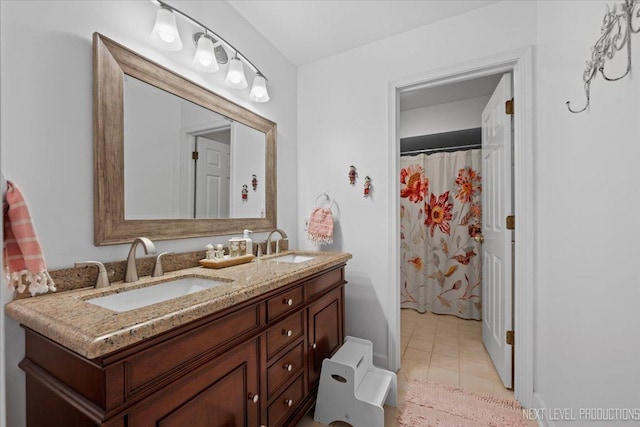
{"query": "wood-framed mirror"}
{"type": "Point", "coordinates": [145, 188]}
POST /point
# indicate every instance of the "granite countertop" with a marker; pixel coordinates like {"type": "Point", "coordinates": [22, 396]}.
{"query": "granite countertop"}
{"type": "Point", "coordinates": [93, 331]}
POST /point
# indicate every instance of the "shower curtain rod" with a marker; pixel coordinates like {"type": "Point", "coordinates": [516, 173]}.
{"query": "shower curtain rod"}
{"type": "Point", "coordinates": [432, 150]}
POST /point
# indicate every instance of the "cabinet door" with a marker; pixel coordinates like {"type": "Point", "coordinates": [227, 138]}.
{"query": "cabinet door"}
{"type": "Point", "coordinates": [326, 331]}
{"type": "Point", "coordinates": [221, 393]}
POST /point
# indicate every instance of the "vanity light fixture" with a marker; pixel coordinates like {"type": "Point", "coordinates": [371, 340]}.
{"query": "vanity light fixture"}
{"type": "Point", "coordinates": [211, 50]}
{"type": "Point", "coordinates": [165, 31]}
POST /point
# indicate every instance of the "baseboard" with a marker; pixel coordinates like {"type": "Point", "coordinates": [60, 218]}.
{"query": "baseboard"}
{"type": "Point", "coordinates": [381, 360]}
{"type": "Point", "coordinates": [540, 405]}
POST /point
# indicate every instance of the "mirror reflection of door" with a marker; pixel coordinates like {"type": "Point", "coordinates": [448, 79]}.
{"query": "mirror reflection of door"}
{"type": "Point", "coordinates": [163, 181]}
{"type": "Point", "coordinates": [212, 174]}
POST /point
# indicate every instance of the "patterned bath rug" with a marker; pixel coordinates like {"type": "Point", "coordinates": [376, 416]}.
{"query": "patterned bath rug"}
{"type": "Point", "coordinates": [431, 405]}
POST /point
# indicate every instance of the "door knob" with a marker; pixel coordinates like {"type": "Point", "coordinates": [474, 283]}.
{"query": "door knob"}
{"type": "Point", "coordinates": [479, 238]}
{"type": "Point", "coordinates": [254, 397]}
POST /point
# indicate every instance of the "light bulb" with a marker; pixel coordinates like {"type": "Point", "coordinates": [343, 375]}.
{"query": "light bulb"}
{"type": "Point", "coordinates": [167, 37]}
{"type": "Point", "coordinates": [205, 57]}
{"type": "Point", "coordinates": [259, 89]}
{"type": "Point", "coordinates": [235, 75]}
{"type": "Point", "coordinates": [165, 31]}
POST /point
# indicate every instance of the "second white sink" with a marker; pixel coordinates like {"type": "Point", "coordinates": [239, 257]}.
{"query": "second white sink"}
{"type": "Point", "coordinates": [142, 297]}
{"type": "Point", "coordinates": [292, 258]}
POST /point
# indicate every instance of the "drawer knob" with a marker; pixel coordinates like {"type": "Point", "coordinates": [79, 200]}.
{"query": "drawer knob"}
{"type": "Point", "coordinates": [288, 301]}
{"type": "Point", "coordinates": [287, 332]}
{"type": "Point", "coordinates": [254, 397]}
{"type": "Point", "coordinates": [314, 346]}
{"type": "Point", "coordinates": [288, 367]}
{"type": "Point", "coordinates": [288, 402]}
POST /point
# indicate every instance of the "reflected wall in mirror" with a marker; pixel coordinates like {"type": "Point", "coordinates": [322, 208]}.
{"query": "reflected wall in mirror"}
{"type": "Point", "coordinates": [205, 159]}
{"type": "Point", "coordinates": [148, 123]}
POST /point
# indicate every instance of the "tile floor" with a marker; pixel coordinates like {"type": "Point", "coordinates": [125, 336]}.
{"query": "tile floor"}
{"type": "Point", "coordinates": [441, 349]}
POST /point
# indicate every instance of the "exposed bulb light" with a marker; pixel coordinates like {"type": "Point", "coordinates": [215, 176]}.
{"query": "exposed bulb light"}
{"type": "Point", "coordinates": [235, 76]}
{"type": "Point", "coordinates": [205, 57]}
{"type": "Point", "coordinates": [259, 89]}
{"type": "Point", "coordinates": [165, 31]}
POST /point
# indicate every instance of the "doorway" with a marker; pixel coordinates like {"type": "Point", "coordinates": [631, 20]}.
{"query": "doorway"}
{"type": "Point", "coordinates": [455, 159]}
{"type": "Point", "coordinates": [520, 64]}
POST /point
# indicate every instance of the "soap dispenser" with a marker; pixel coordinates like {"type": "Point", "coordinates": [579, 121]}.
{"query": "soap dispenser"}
{"type": "Point", "coordinates": [249, 241]}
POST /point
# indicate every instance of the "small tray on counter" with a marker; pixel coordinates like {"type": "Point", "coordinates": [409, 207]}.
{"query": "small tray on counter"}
{"type": "Point", "coordinates": [226, 262]}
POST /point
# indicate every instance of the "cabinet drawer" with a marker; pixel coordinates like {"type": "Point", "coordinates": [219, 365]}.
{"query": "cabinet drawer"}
{"type": "Point", "coordinates": [284, 405]}
{"type": "Point", "coordinates": [322, 283]}
{"type": "Point", "coordinates": [159, 363]}
{"type": "Point", "coordinates": [284, 333]}
{"type": "Point", "coordinates": [284, 368]}
{"type": "Point", "coordinates": [286, 301]}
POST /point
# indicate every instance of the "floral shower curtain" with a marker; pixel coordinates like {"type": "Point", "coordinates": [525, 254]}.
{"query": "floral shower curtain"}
{"type": "Point", "coordinates": [440, 214]}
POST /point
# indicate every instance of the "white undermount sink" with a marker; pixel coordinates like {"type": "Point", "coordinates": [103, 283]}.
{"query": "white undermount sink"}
{"type": "Point", "coordinates": [142, 297]}
{"type": "Point", "coordinates": [292, 258]}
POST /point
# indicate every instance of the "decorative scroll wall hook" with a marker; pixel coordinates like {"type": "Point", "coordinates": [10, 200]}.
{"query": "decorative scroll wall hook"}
{"type": "Point", "coordinates": [616, 31]}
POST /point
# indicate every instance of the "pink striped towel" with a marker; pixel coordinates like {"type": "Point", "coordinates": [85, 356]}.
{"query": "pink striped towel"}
{"type": "Point", "coordinates": [320, 229]}
{"type": "Point", "coordinates": [23, 259]}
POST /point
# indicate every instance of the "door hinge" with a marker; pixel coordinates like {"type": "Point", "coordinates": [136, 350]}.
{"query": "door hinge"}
{"type": "Point", "coordinates": [194, 155]}
{"type": "Point", "coordinates": [511, 222]}
{"type": "Point", "coordinates": [510, 337]}
{"type": "Point", "coordinates": [508, 107]}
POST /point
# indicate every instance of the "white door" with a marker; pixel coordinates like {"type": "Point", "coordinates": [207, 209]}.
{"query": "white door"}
{"type": "Point", "coordinates": [497, 253]}
{"type": "Point", "coordinates": [212, 178]}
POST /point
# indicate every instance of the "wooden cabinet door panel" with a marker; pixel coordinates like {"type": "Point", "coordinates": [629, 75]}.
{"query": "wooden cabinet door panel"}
{"type": "Point", "coordinates": [221, 404]}
{"type": "Point", "coordinates": [217, 394]}
{"type": "Point", "coordinates": [325, 331]}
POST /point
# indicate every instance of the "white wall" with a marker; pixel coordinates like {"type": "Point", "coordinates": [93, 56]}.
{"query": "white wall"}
{"type": "Point", "coordinates": [587, 294]}
{"type": "Point", "coordinates": [46, 107]}
{"type": "Point", "coordinates": [586, 201]}
{"type": "Point", "coordinates": [452, 116]}
{"type": "Point", "coordinates": [343, 119]}
{"type": "Point", "coordinates": [247, 159]}
{"type": "Point", "coordinates": [152, 124]}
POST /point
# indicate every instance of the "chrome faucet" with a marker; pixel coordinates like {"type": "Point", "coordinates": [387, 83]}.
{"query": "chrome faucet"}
{"type": "Point", "coordinates": [283, 236]}
{"type": "Point", "coordinates": [131, 274]}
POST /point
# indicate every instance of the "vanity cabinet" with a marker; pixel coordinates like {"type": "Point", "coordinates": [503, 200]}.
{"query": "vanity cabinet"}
{"type": "Point", "coordinates": [256, 363]}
